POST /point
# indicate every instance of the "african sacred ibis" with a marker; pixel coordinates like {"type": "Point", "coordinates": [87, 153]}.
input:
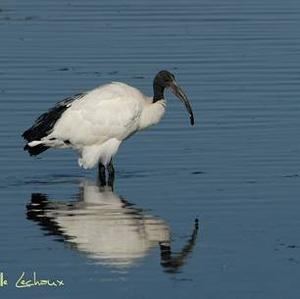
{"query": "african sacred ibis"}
{"type": "Point", "coordinates": [96, 122]}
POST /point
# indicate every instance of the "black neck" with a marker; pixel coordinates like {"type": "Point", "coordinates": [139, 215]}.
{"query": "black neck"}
{"type": "Point", "coordinates": [158, 92]}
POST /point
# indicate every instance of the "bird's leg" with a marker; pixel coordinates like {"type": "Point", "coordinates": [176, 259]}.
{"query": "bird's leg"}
{"type": "Point", "coordinates": [111, 174]}
{"type": "Point", "coordinates": [101, 174]}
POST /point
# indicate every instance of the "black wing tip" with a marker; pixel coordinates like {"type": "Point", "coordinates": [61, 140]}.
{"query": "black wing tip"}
{"type": "Point", "coordinates": [35, 150]}
{"type": "Point", "coordinates": [25, 135]}
{"type": "Point", "coordinates": [45, 123]}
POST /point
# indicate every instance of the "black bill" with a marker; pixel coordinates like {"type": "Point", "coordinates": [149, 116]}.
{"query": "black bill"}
{"type": "Point", "coordinates": [179, 93]}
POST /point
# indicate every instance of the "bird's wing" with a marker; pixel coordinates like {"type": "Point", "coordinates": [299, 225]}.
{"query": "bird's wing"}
{"type": "Point", "coordinates": [44, 124]}
{"type": "Point", "coordinates": [109, 111]}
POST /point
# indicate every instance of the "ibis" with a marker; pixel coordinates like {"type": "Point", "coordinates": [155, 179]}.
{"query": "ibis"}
{"type": "Point", "coordinates": [94, 123]}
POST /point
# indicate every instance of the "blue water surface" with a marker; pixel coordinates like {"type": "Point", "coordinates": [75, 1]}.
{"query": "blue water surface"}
{"type": "Point", "coordinates": [237, 170]}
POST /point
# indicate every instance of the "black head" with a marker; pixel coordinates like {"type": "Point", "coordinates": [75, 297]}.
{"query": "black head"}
{"type": "Point", "coordinates": [165, 79]}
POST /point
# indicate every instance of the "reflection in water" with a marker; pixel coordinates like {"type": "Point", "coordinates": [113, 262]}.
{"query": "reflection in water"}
{"type": "Point", "coordinates": [109, 229]}
{"type": "Point", "coordinates": [171, 262]}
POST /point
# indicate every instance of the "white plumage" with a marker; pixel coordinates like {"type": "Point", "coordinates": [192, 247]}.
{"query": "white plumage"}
{"type": "Point", "coordinates": [96, 122]}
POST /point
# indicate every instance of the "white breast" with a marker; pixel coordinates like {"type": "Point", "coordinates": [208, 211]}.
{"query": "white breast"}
{"type": "Point", "coordinates": [152, 113]}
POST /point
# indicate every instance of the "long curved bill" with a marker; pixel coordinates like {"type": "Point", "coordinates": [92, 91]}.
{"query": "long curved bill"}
{"type": "Point", "coordinates": [179, 93]}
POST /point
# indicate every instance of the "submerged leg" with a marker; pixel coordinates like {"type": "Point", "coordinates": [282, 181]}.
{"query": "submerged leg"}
{"type": "Point", "coordinates": [111, 174]}
{"type": "Point", "coordinates": [101, 174]}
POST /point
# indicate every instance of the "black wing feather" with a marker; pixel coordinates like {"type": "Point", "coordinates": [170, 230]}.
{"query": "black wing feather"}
{"type": "Point", "coordinates": [44, 124]}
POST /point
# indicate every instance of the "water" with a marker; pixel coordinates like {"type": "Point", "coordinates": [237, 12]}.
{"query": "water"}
{"type": "Point", "coordinates": [236, 170]}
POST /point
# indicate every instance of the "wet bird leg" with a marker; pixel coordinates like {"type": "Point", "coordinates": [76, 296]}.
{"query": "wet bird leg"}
{"type": "Point", "coordinates": [101, 174]}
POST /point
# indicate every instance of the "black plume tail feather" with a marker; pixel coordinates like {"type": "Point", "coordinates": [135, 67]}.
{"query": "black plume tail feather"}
{"type": "Point", "coordinates": [35, 150]}
{"type": "Point", "coordinates": [45, 123]}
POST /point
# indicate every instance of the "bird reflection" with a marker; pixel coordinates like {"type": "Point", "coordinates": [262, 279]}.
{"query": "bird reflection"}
{"type": "Point", "coordinates": [109, 229]}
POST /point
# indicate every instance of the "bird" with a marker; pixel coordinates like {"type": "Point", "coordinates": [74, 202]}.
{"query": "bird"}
{"type": "Point", "coordinates": [96, 122]}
